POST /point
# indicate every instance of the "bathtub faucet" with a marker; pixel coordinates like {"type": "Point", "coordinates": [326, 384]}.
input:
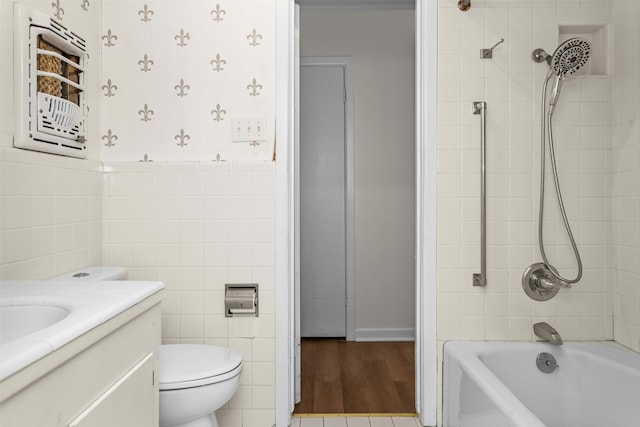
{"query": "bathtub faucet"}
{"type": "Point", "coordinates": [547, 333]}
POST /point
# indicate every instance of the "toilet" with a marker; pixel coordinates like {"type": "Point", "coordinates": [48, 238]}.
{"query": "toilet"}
{"type": "Point", "coordinates": [195, 379]}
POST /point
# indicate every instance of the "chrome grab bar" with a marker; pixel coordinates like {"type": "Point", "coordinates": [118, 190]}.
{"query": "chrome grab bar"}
{"type": "Point", "coordinates": [480, 107]}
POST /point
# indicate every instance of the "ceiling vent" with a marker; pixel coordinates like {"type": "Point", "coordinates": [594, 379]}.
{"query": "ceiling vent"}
{"type": "Point", "coordinates": [49, 85]}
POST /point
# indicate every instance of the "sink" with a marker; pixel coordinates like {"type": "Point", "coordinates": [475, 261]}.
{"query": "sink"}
{"type": "Point", "coordinates": [18, 321]}
{"type": "Point", "coordinates": [37, 318]}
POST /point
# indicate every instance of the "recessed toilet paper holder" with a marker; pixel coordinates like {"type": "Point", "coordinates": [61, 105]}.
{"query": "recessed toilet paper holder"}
{"type": "Point", "coordinates": [241, 299]}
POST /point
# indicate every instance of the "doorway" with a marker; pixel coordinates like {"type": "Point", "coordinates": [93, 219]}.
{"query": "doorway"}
{"type": "Point", "coordinates": [426, 149]}
{"type": "Point", "coordinates": [382, 45]}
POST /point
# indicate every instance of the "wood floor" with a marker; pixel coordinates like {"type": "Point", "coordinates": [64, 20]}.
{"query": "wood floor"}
{"type": "Point", "coordinates": [356, 377]}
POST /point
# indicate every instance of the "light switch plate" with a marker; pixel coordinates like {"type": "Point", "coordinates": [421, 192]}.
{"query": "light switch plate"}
{"type": "Point", "coordinates": [248, 129]}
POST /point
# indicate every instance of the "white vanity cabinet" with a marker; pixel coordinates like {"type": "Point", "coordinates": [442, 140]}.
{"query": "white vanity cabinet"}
{"type": "Point", "coordinates": [105, 377]}
{"type": "Point", "coordinates": [129, 402]}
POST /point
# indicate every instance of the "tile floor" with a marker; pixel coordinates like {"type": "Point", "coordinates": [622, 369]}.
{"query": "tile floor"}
{"type": "Point", "coordinates": [355, 421]}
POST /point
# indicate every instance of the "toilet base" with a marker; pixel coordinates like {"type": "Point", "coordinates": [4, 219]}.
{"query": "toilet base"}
{"type": "Point", "coordinates": [208, 421]}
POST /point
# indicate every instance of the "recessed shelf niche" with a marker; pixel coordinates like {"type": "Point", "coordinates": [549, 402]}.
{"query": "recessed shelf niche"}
{"type": "Point", "coordinates": [599, 36]}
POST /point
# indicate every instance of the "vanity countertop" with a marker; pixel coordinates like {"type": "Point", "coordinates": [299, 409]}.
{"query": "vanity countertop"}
{"type": "Point", "coordinates": [89, 305]}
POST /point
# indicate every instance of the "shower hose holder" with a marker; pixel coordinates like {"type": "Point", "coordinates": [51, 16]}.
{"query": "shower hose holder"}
{"type": "Point", "coordinates": [540, 284]}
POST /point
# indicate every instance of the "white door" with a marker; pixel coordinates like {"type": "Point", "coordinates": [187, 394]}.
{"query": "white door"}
{"type": "Point", "coordinates": [322, 201]}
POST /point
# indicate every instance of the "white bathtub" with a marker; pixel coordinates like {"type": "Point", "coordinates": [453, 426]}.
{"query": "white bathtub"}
{"type": "Point", "coordinates": [496, 384]}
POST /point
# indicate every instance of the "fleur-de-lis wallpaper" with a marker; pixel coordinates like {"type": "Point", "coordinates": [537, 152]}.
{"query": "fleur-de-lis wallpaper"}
{"type": "Point", "coordinates": [171, 94]}
{"type": "Point", "coordinates": [58, 10]}
{"type": "Point", "coordinates": [145, 13]}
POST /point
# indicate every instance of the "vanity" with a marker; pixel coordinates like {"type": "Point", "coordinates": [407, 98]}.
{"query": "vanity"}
{"type": "Point", "coordinates": [79, 354]}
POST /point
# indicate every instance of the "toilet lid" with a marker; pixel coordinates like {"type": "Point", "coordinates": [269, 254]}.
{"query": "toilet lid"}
{"type": "Point", "coordinates": [191, 365]}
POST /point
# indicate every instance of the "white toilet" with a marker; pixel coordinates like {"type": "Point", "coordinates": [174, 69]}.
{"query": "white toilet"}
{"type": "Point", "coordinates": [195, 379]}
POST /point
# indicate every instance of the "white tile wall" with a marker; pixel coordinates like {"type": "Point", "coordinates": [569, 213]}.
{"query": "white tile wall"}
{"type": "Point", "coordinates": [196, 226]}
{"type": "Point", "coordinates": [625, 175]}
{"type": "Point", "coordinates": [597, 141]}
{"type": "Point", "coordinates": [510, 83]}
{"type": "Point", "coordinates": [50, 214]}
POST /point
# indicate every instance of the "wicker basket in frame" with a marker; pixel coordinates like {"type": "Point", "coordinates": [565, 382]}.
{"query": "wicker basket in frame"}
{"type": "Point", "coordinates": [50, 64]}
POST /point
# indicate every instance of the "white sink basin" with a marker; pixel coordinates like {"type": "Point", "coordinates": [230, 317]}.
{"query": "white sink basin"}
{"type": "Point", "coordinates": [37, 318]}
{"type": "Point", "coordinates": [19, 321]}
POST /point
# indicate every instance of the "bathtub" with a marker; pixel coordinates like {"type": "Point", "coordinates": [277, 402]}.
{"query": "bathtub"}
{"type": "Point", "coordinates": [496, 384]}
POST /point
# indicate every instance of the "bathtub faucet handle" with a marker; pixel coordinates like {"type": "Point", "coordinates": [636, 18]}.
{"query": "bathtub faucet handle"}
{"type": "Point", "coordinates": [550, 283]}
{"type": "Point", "coordinates": [540, 283]}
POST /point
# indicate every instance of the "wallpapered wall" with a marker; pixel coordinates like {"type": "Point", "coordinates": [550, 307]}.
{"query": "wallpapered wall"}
{"type": "Point", "coordinates": [175, 74]}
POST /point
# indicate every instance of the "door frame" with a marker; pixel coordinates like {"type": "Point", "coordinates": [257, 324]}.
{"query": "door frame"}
{"type": "Point", "coordinates": [426, 151]}
{"type": "Point", "coordinates": [347, 63]}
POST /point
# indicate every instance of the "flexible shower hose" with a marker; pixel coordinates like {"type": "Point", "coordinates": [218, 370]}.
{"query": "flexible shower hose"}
{"type": "Point", "coordinates": [546, 119]}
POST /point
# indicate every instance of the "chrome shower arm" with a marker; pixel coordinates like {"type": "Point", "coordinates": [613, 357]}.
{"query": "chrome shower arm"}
{"type": "Point", "coordinates": [540, 55]}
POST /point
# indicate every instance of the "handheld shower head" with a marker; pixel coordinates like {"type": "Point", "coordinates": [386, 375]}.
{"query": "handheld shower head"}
{"type": "Point", "coordinates": [555, 92]}
{"type": "Point", "coordinates": [570, 56]}
{"type": "Point", "coordinates": [567, 59]}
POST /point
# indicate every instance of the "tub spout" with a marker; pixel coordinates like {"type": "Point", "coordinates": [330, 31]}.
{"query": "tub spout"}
{"type": "Point", "coordinates": [547, 333]}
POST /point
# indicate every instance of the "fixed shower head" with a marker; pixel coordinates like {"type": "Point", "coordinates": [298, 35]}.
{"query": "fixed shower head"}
{"type": "Point", "coordinates": [570, 56]}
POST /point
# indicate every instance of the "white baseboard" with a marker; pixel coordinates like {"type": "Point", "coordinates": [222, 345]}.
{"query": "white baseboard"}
{"type": "Point", "coordinates": [385, 334]}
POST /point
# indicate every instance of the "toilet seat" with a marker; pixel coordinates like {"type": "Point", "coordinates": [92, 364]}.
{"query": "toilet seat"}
{"type": "Point", "coordinates": [193, 365]}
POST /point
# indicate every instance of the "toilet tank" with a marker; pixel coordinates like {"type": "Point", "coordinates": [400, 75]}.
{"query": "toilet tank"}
{"type": "Point", "coordinates": [93, 274]}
